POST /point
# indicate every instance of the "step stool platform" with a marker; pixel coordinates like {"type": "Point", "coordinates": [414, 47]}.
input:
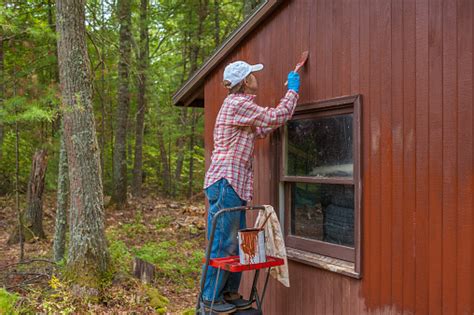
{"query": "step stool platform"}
{"type": "Point", "coordinates": [250, 311]}
{"type": "Point", "coordinates": [232, 263]}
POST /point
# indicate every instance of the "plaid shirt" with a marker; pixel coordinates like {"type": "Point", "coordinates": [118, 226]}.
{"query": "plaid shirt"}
{"type": "Point", "coordinates": [239, 122]}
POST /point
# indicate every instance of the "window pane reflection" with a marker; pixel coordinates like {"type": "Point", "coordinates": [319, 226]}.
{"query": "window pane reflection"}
{"type": "Point", "coordinates": [323, 212]}
{"type": "Point", "coordinates": [320, 147]}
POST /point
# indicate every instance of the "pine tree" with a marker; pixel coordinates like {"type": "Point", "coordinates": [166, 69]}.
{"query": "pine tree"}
{"type": "Point", "coordinates": [119, 195]}
{"type": "Point", "coordinates": [88, 258]}
{"type": "Point", "coordinates": [141, 99]}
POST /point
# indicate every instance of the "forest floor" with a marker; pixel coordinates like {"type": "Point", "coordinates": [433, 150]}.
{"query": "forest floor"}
{"type": "Point", "coordinates": [167, 233]}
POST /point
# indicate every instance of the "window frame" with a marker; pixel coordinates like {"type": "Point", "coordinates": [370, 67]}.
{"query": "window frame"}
{"type": "Point", "coordinates": [324, 108]}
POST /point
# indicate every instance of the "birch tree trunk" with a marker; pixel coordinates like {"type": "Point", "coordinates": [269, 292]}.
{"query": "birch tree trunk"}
{"type": "Point", "coordinates": [141, 100]}
{"type": "Point", "coordinates": [61, 204]}
{"type": "Point", "coordinates": [119, 195]}
{"type": "Point", "coordinates": [88, 258]}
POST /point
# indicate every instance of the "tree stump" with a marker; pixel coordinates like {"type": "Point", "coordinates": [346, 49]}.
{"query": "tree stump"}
{"type": "Point", "coordinates": [143, 270]}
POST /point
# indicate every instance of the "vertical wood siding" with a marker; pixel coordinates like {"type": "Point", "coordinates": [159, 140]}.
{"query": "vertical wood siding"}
{"type": "Point", "coordinates": [412, 62]}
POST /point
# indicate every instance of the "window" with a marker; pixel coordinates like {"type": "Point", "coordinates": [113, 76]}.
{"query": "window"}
{"type": "Point", "coordinates": [320, 177]}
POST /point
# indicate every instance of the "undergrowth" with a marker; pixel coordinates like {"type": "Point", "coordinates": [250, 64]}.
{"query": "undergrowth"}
{"type": "Point", "coordinates": [7, 302]}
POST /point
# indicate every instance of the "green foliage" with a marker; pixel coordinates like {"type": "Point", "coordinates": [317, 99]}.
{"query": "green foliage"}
{"type": "Point", "coordinates": [178, 263]}
{"type": "Point", "coordinates": [177, 30]}
{"type": "Point", "coordinates": [157, 301]}
{"type": "Point", "coordinates": [156, 253]}
{"type": "Point", "coordinates": [162, 222]}
{"type": "Point", "coordinates": [135, 228]}
{"type": "Point", "coordinates": [60, 300]}
{"type": "Point", "coordinates": [120, 256]}
{"type": "Point", "coordinates": [7, 302]}
{"type": "Point", "coordinates": [189, 311]}
{"type": "Point", "coordinates": [7, 172]}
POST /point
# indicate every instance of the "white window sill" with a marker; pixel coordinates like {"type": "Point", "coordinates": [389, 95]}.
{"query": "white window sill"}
{"type": "Point", "coordinates": [327, 263]}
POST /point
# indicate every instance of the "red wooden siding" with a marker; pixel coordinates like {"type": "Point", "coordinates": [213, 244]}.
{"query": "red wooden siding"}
{"type": "Point", "coordinates": [412, 62]}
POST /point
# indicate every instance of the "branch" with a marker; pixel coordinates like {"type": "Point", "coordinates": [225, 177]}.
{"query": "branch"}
{"type": "Point", "coordinates": [27, 281]}
{"type": "Point", "coordinates": [29, 262]}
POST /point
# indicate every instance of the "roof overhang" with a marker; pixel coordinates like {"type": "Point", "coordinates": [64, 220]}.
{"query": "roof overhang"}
{"type": "Point", "coordinates": [191, 92]}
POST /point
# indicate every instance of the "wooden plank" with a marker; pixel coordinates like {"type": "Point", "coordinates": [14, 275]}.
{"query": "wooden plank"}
{"type": "Point", "coordinates": [337, 295]}
{"type": "Point", "coordinates": [346, 75]}
{"type": "Point", "coordinates": [298, 286]}
{"type": "Point", "coordinates": [345, 296]}
{"type": "Point", "coordinates": [302, 23]}
{"type": "Point", "coordinates": [397, 153]}
{"type": "Point", "coordinates": [409, 127]}
{"type": "Point", "coordinates": [328, 293]}
{"type": "Point", "coordinates": [336, 44]}
{"type": "Point", "coordinates": [472, 122]}
{"type": "Point", "coordinates": [449, 158]}
{"type": "Point", "coordinates": [422, 134]}
{"type": "Point", "coordinates": [386, 154]}
{"type": "Point", "coordinates": [465, 157]}
{"type": "Point", "coordinates": [435, 160]}
{"type": "Point", "coordinates": [364, 76]}
{"type": "Point", "coordinates": [310, 296]}
{"type": "Point", "coordinates": [328, 50]}
{"type": "Point", "coordinates": [316, 59]}
{"type": "Point", "coordinates": [375, 161]}
{"type": "Point", "coordinates": [354, 46]}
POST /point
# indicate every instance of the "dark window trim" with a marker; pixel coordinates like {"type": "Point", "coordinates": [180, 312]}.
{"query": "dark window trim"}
{"type": "Point", "coordinates": [336, 106]}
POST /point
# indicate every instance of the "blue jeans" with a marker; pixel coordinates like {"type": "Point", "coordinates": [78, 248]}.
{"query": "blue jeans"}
{"type": "Point", "coordinates": [221, 195]}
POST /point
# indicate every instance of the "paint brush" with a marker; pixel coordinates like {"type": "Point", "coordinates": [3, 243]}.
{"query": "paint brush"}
{"type": "Point", "coordinates": [301, 62]}
{"type": "Point", "coordinates": [264, 222]}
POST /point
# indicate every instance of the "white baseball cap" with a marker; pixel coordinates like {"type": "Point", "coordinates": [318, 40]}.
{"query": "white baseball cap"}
{"type": "Point", "coordinates": [236, 71]}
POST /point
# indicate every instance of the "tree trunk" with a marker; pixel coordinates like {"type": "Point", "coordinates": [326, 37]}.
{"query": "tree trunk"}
{"type": "Point", "coordinates": [88, 258]}
{"type": "Point", "coordinates": [180, 146]}
{"type": "Point", "coordinates": [141, 100]}
{"type": "Point", "coordinates": [191, 153]}
{"type": "Point", "coordinates": [217, 24]}
{"type": "Point", "coordinates": [166, 173]}
{"type": "Point", "coordinates": [143, 270]}
{"type": "Point", "coordinates": [2, 89]}
{"type": "Point", "coordinates": [119, 195]}
{"type": "Point", "coordinates": [61, 204]}
{"type": "Point", "coordinates": [203, 11]}
{"type": "Point", "coordinates": [34, 212]}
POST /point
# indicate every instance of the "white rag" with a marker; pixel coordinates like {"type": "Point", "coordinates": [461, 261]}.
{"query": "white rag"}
{"type": "Point", "coordinates": [274, 243]}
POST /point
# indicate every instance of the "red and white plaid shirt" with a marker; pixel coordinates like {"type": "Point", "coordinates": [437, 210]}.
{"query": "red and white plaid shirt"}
{"type": "Point", "coordinates": [239, 122]}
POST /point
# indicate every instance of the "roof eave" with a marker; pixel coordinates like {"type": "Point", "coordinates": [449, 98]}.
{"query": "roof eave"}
{"type": "Point", "coordinates": [186, 95]}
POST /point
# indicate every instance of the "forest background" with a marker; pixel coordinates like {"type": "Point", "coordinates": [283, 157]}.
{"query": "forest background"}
{"type": "Point", "coordinates": [151, 152]}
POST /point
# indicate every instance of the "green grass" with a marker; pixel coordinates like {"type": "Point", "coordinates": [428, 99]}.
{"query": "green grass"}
{"type": "Point", "coordinates": [162, 222]}
{"type": "Point", "coordinates": [120, 256]}
{"type": "Point", "coordinates": [177, 262]}
{"type": "Point", "coordinates": [7, 302]}
{"type": "Point", "coordinates": [174, 261]}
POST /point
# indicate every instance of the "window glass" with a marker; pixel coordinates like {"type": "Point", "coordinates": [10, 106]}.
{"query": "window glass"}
{"type": "Point", "coordinates": [320, 147]}
{"type": "Point", "coordinates": [323, 212]}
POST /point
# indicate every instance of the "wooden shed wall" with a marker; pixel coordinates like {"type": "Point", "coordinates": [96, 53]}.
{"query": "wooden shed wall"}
{"type": "Point", "coordinates": [412, 63]}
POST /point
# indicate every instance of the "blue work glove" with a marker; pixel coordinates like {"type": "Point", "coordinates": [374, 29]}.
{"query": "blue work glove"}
{"type": "Point", "coordinates": [293, 81]}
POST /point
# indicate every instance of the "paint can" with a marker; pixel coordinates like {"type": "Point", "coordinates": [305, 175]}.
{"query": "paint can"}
{"type": "Point", "coordinates": [252, 246]}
